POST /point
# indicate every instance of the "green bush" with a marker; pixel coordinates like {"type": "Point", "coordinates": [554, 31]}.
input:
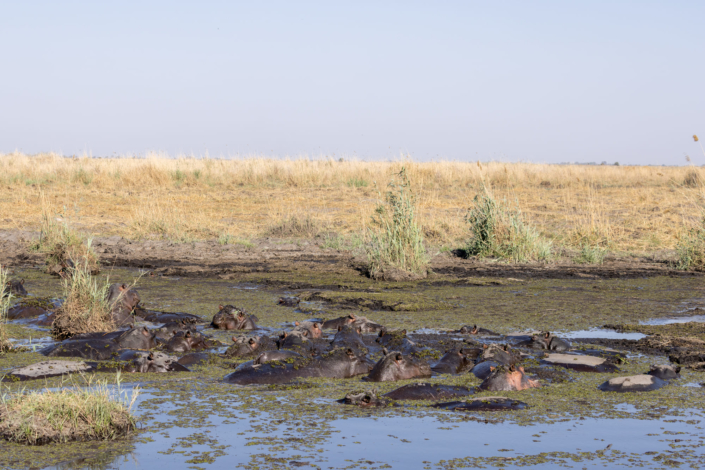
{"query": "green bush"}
{"type": "Point", "coordinates": [395, 239]}
{"type": "Point", "coordinates": [498, 231]}
{"type": "Point", "coordinates": [691, 248]}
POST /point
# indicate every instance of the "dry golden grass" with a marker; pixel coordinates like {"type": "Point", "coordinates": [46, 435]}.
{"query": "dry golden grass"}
{"type": "Point", "coordinates": [625, 208]}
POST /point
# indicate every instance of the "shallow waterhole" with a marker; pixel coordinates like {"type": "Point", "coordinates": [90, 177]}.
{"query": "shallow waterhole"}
{"type": "Point", "coordinates": [195, 421]}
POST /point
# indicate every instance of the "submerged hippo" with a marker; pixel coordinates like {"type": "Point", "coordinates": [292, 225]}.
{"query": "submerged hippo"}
{"type": "Point", "coordinates": [14, 288]}
{"type": "Point", "coordinates": [502, 354]}
{"type": "Point", "coordinates": [545, 340]}
{"type": "Point", "coordinates": [367, 326]}
{"type": "Point", "coordinates": [122, 300]}
{"type": "Point", "coordinates": [137, 338]}
{"type": "Point", "coordinates": [424, 391]}
{"type": "Point", "coordinates": [289, 301]}
{"type": "Point", "coordinates": [313, 329]}
{"type": "Point", "coordinates": [665, 372]}
{"type": "Point", "coordinates": [506, 379]}
{"type": "Point", "coordinates": [474, 330]}
{"type": "Point", "coordinates": [337, 364]}
{"type": "Point", "coordinates": [31, 308]}
{"type": "Point", "coordinates": [349, 337]}
{"type": "Point", "coordinates": [184, 341]}
{"type": "Point", "coordinates": [233, 318]}
{"type": "Point", "coordinates": [101, 346]}
{"type": "Point", "coordinates": [396, 340]}
{"type": "Point", "coordinates": [634, 383]}
{"type": "Point", "coordinates": [364, 399]}
{"type": "Point", "coordinates": [154, 362]}
{"type": "Point", "coordinates": [397, 366]}
{"type": "Point", "coordinates": [245, 346]}
{"type": "Point", "coordinates": [456, 361]}
{"type": "Point", "coordinates": [280, 355]}
{"type": "Point", "coordinates": [484, 404]}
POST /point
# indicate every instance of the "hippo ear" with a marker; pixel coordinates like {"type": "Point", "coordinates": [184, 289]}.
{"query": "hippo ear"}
{"type": "Point", "coordinates": [22, 282]}
{"type": "Point", "coordinates": [384, 351]}
{"type": "Point", "coordinates": [340, 327]}
{"type": "Point", "coordinates": [316, 325]}
{"type": "Point", "coordinates": [512, 368]}
{"type": "Point", "coordinates": [305, 333]}
{"type": "Point", "coordinates": [492, 368]}
{"type": "Point", "coordinates": [252, 341]}
{"type": "Point", "coordinates": [399, 357]}
{"type": "Point", "coordinates": [403, 332]}
{"type": "Point", "coordinates": [547, 335]}
{"type": "Point", "coordinates": [484, 346]}
{"type": "Point", "coordinates": [352, 315]}
{"type": "Point", "coordinates": [359, 330]}
{"type": "Point", "coordinates": [350, 353]}
{"type": "Point", "coordinates": [381, 333]}
{"type": "Point", "coordinates": [285, 335]}
{"type": "Point", "coordinates": [151, 356]}
{"type": "Point", "coordinates": [296, 323]}
{"type": "Point", "coordinates": [678, 370]}
{"type": "Point", "coordinates": [234, 339]}
{"type": "Point", "coordinates": [123, 287]}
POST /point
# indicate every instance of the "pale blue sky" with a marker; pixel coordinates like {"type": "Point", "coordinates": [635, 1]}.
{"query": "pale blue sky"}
{"type": "Point", "coordinates": [541, 81]}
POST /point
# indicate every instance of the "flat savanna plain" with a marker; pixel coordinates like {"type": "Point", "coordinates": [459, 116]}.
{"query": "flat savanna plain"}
{"type": "Point", "coordinates": [640, 211]}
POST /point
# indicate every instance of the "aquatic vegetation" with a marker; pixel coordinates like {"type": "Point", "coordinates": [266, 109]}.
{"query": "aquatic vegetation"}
{"type": "Point", "coordinates": [92, 412]}
{"type": "Point", "coordinates": [396, 241]}
{"type": "Point", "coordinates": [499, 231]}
{"type": "Point", "coordinates": [5, 301]}
{"type": "Point", "coordinates": [85, 308]}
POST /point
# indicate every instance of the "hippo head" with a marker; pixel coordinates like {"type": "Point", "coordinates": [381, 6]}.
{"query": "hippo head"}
{"type": "Point", "coordinates": [292, 339]}
{"type": "Point", "coordinates": [390, 338]}
{"type": "Point", "coordinates": [244, 346]}
{"type": "Point", "coordinates": [364, 399]}
{"type": "Point", "coordinates": [313, 328]}
{"type": "Point", "coordinates": [503, 378]}
{"type": "Point", "coordinates": [497, 353]}
{"type": "Point", "coordinates": [14, 288]}
{"type": "Point", "coordinates": [123, 296]}
{"type": "Point", "coordinates": [469, 330]}
{"type": "Point", "coordinates": [137, 338]}
{"type": "Point", "coordinates": [396, 366]}
{"type": "Point", "coordinates": [152, 362]}
{"type": "Point", "coordinates": [665, 372]}
{"type": "Point", "coordinates": [344, 363]}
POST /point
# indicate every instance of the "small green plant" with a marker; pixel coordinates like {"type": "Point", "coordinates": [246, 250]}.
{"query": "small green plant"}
{"type": "Point", "coordinates": [691, 248]}
{"type": "Point", "coordinates": [498, 231]}
{"type": "Point", "coordinates": [197, 174]}
{"type": "Point", "coordinates": [591, 254]}
{"type": "Point", "coordinates": [395, 238]}
{"type": "Point", "coordinates": [227, 239]}
{"type": "Point", "coordinates": [356, 182]}
{"type": "Point", "coordinates": [96, 411]}
{"type": "Point", "coordinates": [85, 308]}
{"type": "Point", "coordinates": [340, 242]}
{"type": "Point", "coordinates": [178, 176]}
{"type": "Point", "coordinates": [293, 226]}
{"type": "Point", "coordinates": [5, 301]}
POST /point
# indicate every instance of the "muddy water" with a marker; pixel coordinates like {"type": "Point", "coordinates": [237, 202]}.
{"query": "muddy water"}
{"type": "Point", "coordinates": [195, 421]}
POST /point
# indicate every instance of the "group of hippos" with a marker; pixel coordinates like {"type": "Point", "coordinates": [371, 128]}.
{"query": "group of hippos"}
{"type": "Point", "coordinates": [339, 348]}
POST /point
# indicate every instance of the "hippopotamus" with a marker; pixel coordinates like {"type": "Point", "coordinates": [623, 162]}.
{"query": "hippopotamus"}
{"type": "Point", "coordinates": [14, 288]}
{"type": "Point", "coordinates": [483, 369]}
{"type": "Point", "coordinates": [367, 326]}
{"type": "Point", "coordinates": [456, 361]}
{"type": "Point", "coordinates": [154, 362]}
{"type": "Point", "coordinates": [122, 300]}
{"type": "Point", "coordinates": [166, 317]}
{"type": "Point", "coordinates": [137, 338]}
{"type": "Point", "coordinates": [397, 366]}
{"type": "Point", "coordinates": [293, 339]}
{"type": "Point", "coordinates": [31, 308]}
{"type": "Point", "coordinates": [289, 301]}
{"type": "Point", "coordinates": [337, 364]}
{"type": "Point", "coordinates": [424, 391]}
{"type": "Point", "coordinates": [483, 404]}
{"type": "Point", "coordinates": [396, 340]}
{"type": "Point", "coordinates": [501, 354]}
{"type": "Point", "coordinates": [245, 346]}
{"type": "Point", "coordinates": [547, 341]}
{"type": "Point", "coordinates": [233, 318]}
{"type": "Point", "coordinates": [280, 355]}
{"type": "Point", "coordinates": [474, 330]}
{"type": "Point", "coordinates": [349, 337]}
{"type": "Point", "coordinates": [184, 341]}
{"type": "Point", "coordinates": [634, 383]}
{"type": "Point", "coordinates": [506, 379]}
{"type": "Point", "coordinates": [313, 328]}
{"type": "Point", "coordinates": [364, 399]}
{"type": "Point", "coordinates": [665, 372]}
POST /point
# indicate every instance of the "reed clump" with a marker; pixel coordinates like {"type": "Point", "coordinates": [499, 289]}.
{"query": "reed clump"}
{"type": "Point", "coordinates": [5, 301]}
{"type": "Point", "coordinates": [499, 231]}
{"type": "Point", "coordinates": [60, 243]}
{"type": "Point", "coordinates": [396, 247]}
{"type": "Point", "coordinates": [96, 411]}
{"type": "Point", "coordinates": [691, 248]}
{"type": "Point", "coordinates": [86, 308]}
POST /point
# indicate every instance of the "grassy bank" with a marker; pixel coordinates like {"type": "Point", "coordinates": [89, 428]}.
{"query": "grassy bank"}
{"type": "Point", "coordinates": [626, 208]}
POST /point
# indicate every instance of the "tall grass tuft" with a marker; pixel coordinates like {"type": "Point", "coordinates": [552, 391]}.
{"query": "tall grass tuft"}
{"type": "Point", "coordinates": [691, 248]}
{"type": "Point", "coordinates": [94, 412]}
{"type": "Point", "coordinates": [396, 242]}
{"type": "Point", "coordinates": [295, 226]}
{"type": "Point", "coordinates": [85, 308]}
{"type": "Point", "coordinates": [5, 300]}
{"type": "Point", "coordinates": [61, 244]}
{"type": "Point", "coordinates": [498, 231]}
{"type": "Point", "coordinates": [591, 254]}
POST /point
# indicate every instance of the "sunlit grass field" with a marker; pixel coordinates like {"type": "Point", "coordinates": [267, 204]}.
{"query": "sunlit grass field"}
{"type": "Point", "coordinates": [636, 209]}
